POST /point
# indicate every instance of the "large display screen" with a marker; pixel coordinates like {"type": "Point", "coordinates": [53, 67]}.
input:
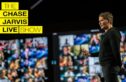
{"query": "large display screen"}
{"type": "Point", "coordinates": [24, 60]}
{"type": "Point", "coordinates": [78, 57]}
{"type": "Point", "coordinates": [122, 76]}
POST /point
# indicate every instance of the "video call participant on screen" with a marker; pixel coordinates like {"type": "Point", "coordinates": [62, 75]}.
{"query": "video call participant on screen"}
{"type": "Point", "coordinates": [109, 55]}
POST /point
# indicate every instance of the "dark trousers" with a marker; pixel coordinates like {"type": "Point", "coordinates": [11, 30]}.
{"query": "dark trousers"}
{"type": "Point", "coordinates": [109, 73]}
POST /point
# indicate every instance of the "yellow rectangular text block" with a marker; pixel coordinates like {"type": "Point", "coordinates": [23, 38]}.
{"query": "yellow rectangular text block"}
{"type": "Point", "coordinates": [10, 5]}
{"type": "Point", "coordinates": [9, 30]}
{"type": "Point", "coordinates": [13, 21]}
{"type": "Point", "coordinates": [30, 29]}
{"type": "Point", "coordinates": [13, 13]}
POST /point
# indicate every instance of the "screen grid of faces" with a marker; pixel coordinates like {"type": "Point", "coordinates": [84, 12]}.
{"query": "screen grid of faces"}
{"type": "Point", "coordinates": [24, 60]}
{"type": "Point", "coordinates": [78, 57]}
{"type": "Point", "coordinates": [122, 76]}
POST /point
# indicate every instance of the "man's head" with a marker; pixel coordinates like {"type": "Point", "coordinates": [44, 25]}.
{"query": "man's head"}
{"type": "Point", "coordinates": [105, 20]}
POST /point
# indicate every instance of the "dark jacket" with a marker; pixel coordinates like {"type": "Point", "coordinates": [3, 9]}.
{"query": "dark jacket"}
{"type": "Point", "coordinates": [110, 48]}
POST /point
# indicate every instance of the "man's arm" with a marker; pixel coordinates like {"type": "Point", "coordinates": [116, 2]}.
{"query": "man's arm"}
{"type": "Point", "coordinates": [115, 46]}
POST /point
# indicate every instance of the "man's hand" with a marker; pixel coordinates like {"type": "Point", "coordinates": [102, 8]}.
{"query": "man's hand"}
{"type": "Point", "coordinates": [117, 69]}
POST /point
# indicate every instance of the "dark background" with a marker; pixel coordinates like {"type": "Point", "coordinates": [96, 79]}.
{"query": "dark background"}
{"type": "Point", "coordinates": [71, 15]}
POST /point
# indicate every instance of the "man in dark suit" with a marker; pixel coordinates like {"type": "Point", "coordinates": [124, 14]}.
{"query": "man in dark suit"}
{"type": "Point", "coordinates": [109, 55]}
